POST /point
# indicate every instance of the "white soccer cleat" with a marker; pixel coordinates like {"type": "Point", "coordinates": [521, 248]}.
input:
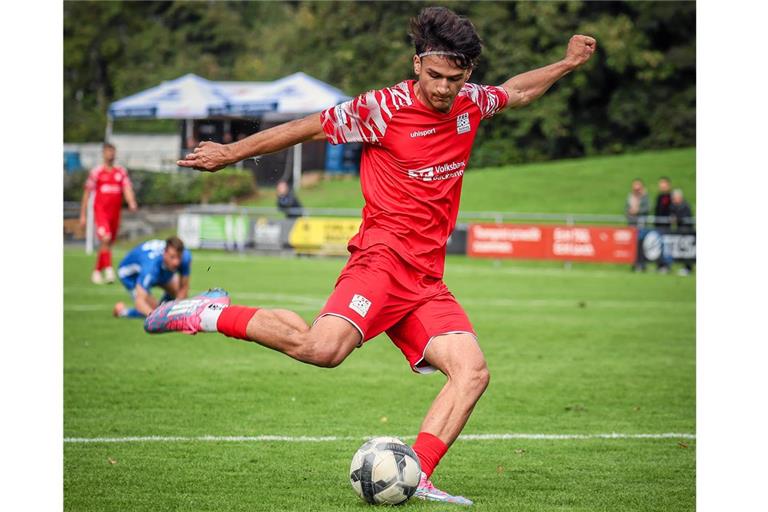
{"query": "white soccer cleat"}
{"type": "Point", "coordinates": [96, 277]}
{"type": "Point", "coordinates": [427, 491]}
{"type": "Point", "coordinates": [109, 275]}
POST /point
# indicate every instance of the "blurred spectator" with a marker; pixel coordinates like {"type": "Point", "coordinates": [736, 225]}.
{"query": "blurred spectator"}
{"type": "Point", "coordinates": [682, 221]}
{"type": "Point", "coordinates": [287, 202]}
{"type": "Point", "coordinates": [663, 202]}
{"type": "Point", "coordinates": [661, 219]}
{"type": "Point", "coordinates": [637, 207]}
{"type": "Point", "coordinates": [636, 210]}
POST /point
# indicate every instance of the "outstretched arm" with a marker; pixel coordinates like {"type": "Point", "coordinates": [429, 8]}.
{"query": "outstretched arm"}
{"type": "Point", "coordinates": [210, 156]}
{"type": "Point", "coordinates": [526, 87]}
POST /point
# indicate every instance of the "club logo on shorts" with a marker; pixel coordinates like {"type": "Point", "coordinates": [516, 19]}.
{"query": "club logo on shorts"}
{"type": "Point", "coordinates": [360, 305]}
{"type": "Point", "coordinates": [462, 123]}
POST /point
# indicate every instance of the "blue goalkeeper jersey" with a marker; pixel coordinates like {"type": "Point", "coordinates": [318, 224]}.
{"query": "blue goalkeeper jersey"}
{"type": "Point", "coordinates": [144, 266]}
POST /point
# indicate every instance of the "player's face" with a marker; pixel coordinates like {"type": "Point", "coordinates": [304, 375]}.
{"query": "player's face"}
{"type": "Point", "coordinates": [109, 155]}
{"type": "Point", "coordinates": [439, 81]}
{"type": "Point", "coordinates": [171, 259]}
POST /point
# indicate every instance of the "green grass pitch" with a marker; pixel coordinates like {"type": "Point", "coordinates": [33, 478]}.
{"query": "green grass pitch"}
{"type": "Point", "coordinates": [590, 350]}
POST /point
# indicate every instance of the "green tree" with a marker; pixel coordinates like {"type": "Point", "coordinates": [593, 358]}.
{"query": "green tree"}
{"type": "Point", "coordinates": [638, 91]}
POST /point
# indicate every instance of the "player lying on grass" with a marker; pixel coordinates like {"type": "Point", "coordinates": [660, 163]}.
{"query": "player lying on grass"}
{"type": "Point", "coordinates": [163, 263]}
{"type": "Point", "coordinates": [417, 139]}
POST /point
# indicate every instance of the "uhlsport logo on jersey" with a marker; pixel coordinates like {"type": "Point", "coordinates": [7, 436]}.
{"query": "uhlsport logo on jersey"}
{"type": "Point", "coordinates": [439, 172]}
{"type": "Point", "coordinates": [462, 123]}
{"type": "Point", "coordinates": [423, 133]}
{"type": "Point", "coordinates": [360, 305]}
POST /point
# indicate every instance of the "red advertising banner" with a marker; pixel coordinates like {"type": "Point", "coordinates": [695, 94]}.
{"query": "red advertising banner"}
{"type": "Point", "coordinates": [547, 242]}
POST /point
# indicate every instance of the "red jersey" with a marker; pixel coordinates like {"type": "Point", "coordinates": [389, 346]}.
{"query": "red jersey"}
{"type": "Point", "coordinates": [108, 186]}
{"type": "Point", "coordinates": [412, 165]}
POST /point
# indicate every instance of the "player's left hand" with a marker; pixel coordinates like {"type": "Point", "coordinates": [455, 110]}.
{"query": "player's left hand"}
{"type": "Point", "coordinates": [580, 49]}
{"type": "Point", "coordinates": [208, 156]}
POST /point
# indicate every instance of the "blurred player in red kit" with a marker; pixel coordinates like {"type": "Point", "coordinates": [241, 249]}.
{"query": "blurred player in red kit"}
{"type": "Point", "coordinates": [109, 183]}
{"type": "Point", "coordinates": [417, 137]}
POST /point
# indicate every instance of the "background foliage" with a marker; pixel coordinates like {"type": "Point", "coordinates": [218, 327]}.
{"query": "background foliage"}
{"type": "Point", "coordinates": [153, 188]}
{"type": "Point", "coordinates": [637, 93]}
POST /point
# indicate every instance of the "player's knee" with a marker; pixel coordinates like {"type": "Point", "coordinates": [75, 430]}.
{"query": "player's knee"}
{"type": "Point", "coordinates": [323, 352]}
{"type": "Point", "coordinates": [475, 379]}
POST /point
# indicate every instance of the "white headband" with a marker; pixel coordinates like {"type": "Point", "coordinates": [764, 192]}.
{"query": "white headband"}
{"type": "Point", "coordinates": [447, 54]}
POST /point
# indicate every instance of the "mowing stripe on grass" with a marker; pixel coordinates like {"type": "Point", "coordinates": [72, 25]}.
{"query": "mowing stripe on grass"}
{"type": "Point", "coordinates": [289, 300]}
{"type": "Point", "coordinates": [324, 439]}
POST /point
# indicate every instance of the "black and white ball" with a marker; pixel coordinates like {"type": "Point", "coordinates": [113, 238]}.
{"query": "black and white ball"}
{"type": "Point", "coordinates": [385, 470]}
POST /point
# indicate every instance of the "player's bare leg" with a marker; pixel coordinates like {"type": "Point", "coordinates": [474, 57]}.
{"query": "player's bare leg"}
{"type": "Point", "coordinates": [459, 357]}
{"type": "Point", "coordinates": [326, 343]}
{"type": "Point", "coordinates": [121, 310]}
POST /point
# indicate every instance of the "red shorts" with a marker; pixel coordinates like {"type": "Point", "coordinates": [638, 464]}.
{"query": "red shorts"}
{"type": "Point", "coordinates": [378, 291]}
{"type": "Point", "coordinates": [107, 224]}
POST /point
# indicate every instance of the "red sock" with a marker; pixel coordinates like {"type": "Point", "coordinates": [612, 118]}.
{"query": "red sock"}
{"type": "Point", "coordinates": [107, 258]}
{"type": "Point", "coordinates": [102, 259]}
{"type": "Point", "coordinates": [430, 450]}
{"type": "Point", "coordinates": [233, 321]}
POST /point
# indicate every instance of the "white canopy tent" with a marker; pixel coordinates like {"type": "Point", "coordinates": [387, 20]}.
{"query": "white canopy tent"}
{"type": "Point", "coordinates": [192, 97]}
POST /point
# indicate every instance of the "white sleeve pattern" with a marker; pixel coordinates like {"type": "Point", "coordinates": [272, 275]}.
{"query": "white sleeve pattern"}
{"type": "Point", "coordinates": [490, 99]}
{"type": "Point", "coordinates": [364, 118]}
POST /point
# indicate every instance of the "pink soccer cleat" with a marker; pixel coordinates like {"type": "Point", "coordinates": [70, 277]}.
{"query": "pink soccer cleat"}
{"type": "Point", "coordinates": [427, 491]}
{"type": "Point", "coordinates": [184, 315]}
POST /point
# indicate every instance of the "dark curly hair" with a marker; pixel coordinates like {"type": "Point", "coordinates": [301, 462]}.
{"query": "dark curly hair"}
{"type": "Point", "coordinates": [440, 29]}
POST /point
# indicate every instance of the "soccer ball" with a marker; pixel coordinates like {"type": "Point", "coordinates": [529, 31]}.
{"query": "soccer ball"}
{"type": "Point", "coordinates": [385, 470]}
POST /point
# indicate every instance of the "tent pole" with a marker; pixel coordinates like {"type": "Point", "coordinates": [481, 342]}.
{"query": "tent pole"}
{"type": "Point", "coordinates": [108, 130]}
{"type": "Point", "coordinates": [189, 126]}
{"type": "Point", "coordinates": [297, 167]}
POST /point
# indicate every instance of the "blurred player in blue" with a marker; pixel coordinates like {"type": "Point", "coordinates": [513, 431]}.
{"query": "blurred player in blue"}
{"type": "Point", "coordinates": [163, 263]}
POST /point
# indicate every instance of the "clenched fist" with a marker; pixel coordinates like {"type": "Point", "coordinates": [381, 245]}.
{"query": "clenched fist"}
{"type": "Point", "coordinates": [580, 49]}
{"type": "Point", "coordinates": [208, 156]}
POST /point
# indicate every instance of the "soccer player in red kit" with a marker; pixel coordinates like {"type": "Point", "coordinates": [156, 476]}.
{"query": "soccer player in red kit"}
{"type": "Point", "coordinates": [417, 139]}
{"type": "Point", "coordinates": [109, 183]}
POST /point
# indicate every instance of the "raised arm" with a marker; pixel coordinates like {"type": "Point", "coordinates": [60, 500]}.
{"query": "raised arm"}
{"type": "Point", "coordinates": [526, 87]}
{"type": "Point", "coordinates": [210, 156]}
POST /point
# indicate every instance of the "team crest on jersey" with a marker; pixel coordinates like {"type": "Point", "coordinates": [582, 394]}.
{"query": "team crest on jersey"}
{"type": "Point", "coordinates": [462, 123]}
{"type": "Point", "coordinates": [360, 305]}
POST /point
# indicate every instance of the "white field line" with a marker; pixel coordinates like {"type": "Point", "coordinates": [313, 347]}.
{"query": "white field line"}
{"type": "Point", "coordinates": [325, 439]}
{"type": "Point", "coordinates": [286, 300]}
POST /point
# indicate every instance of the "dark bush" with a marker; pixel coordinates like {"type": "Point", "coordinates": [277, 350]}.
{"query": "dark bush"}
{"type": "Point", "coordinates": [183, 187]}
